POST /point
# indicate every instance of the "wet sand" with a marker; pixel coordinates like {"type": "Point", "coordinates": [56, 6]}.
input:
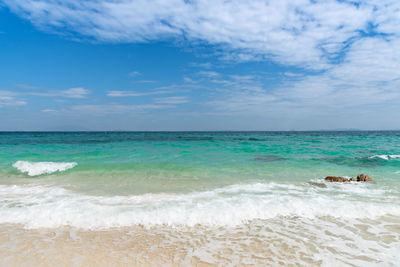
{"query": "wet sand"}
{"type": "Point", "coordinates": [288, 243]}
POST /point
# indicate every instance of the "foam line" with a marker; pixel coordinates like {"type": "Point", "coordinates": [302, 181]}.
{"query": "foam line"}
{"type": "Point", "coordinates": [49, 206]}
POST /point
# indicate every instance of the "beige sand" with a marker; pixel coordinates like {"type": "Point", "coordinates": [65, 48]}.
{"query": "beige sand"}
{"type": "Point", "coordinates": [272, 242]}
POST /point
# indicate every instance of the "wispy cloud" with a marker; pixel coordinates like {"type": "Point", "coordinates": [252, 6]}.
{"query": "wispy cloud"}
{"type": "Point", "coordinates": [134, 73]}
{"type": "Point", "coordinates": [13, 98]}
{"type": "Point", "coordinates": [47, 110]}
{"type": "Point", "coordinates": [8, 98]}
{"type": "Point", "coordinates": [292, 74]}
{"type": "Point", "coordinates": [189, 80]}
{"type": "Point", "coordinates": [78, 92]}
{"type": "Point", "coordinates": [134, 93]}
{"type": "Point", "coordinates": [209, 74]}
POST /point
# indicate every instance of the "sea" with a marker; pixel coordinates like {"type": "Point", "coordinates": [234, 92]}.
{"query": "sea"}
{"type": "Point", "coordinates": [199, 199]}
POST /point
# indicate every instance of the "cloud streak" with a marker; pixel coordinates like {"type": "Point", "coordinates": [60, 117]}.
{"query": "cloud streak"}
{"type": "Point", "coordinates": [78, 93]}
{"type": "Point", "coordinates": [10, 99]}
{"type": "Point", "coordinates": [134, 93]}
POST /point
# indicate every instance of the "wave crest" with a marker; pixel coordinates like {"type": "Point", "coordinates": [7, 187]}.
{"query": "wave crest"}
{"type": "Point", "coordinates": [385, 157]}
{"type": "Point", "coordinates": [44, 167]}
{"type": "Point", "coordinates": [49, 206]}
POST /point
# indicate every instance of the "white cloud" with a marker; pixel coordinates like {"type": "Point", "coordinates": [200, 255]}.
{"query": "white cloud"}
{"type": "Point", "coordinates": [134, 73]}
{"type": "Point", "coordinates": [209, 74]}
{"type": "Point", "coordinates": [134, 93]}
{"type": "Point", "coordinates": [300, 32]}
{"type": "Point", "coordinates": [309, 34]}
{"type": "Point", "coordinates": [78, 92]}
{"type": "Point", "coordinates": [363, 78]}
{"type": "Point", "coordinates": [292, 74]}
{"type": "Point", "coordinates": [11, 98]}
{"type": "Point", "coordinates": [364, 86]}
{"type": "Point", "coordinates": [188, 80]}
{"type": "Point", "coordinates": [8, 98]}
{"type": "Point", "coordinates": [49, 110]}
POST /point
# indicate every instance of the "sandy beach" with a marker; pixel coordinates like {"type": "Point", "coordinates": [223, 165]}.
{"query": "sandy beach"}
{"type": "Point", "coordinates": [289, 242]}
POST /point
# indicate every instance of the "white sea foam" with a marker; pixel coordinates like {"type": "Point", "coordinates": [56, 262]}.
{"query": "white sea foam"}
{"type": "Point", "coordinates": [48, 206]}
{"type": "Point", "coordinates": [45, 167]}
{"type": "Point", "coordinates": [385, 157]}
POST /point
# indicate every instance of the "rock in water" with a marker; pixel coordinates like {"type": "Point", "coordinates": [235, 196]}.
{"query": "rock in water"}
{"type": "Point", "coordinates": [336, 179]}
{"type": "Point", "coordinates": [364, 178]}
{"type": "Point", "coordinates": [360, 178]}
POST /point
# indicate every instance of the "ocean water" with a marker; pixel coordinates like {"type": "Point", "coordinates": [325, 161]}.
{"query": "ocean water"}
{"type": "Point", "coordinates": [217, 198]}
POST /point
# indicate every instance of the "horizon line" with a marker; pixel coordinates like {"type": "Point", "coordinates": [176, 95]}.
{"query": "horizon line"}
{"type": "Point", "coordinates": [193, 131]}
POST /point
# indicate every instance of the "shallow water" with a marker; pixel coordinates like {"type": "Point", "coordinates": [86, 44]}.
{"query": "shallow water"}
{"type": "Point", "coordinates": [219, 198]}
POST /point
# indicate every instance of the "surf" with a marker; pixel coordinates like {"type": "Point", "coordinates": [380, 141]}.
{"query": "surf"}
{"type": "Point", "coordinates": [44, 167]}
{"type": "Point", "coordinates": [38, 206]}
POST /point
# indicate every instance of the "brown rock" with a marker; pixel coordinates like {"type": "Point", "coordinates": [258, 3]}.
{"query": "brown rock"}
{"type": "Point", "coordinates": [336, 179]}
{"type": "Point", "coordinates": [364, 178]}
{"type": "Point", "coordinates": [351, 179]}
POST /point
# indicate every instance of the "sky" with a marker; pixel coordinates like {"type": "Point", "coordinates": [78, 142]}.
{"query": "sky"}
{"type": "Point", "coordinates": [174, 65]}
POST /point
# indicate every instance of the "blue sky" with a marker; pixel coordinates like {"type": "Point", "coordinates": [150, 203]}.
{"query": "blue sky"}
{"type": "Point", "coordinates": [199, 65]}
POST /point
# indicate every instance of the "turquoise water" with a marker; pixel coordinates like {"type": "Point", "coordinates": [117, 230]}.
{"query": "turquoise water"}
{"type": "Point", "coordinates": [124, 163]}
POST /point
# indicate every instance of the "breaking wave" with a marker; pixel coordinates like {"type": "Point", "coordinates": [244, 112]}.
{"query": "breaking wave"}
{"type": "Point", "coordinates": [49, 206]}
{"type": "Point", "coordinates": [45, 167]}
